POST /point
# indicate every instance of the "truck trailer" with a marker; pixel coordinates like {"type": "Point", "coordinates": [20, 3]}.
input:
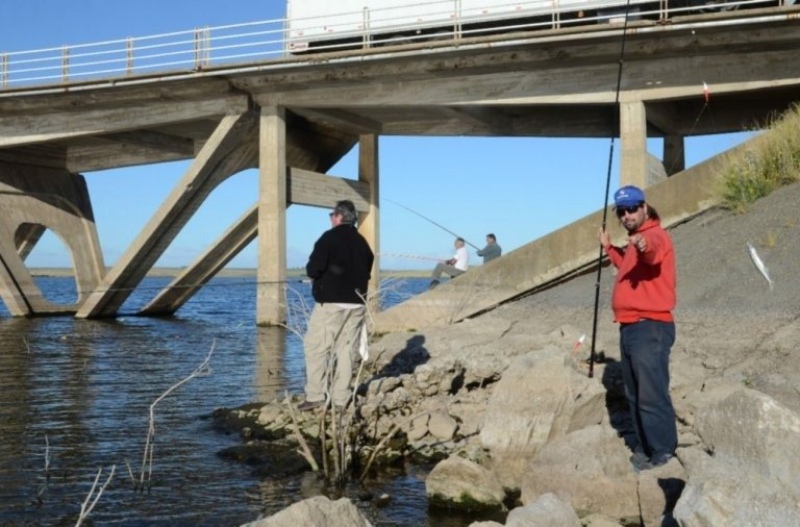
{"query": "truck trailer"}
{"type": "Point", "coordinates": [330, 25]}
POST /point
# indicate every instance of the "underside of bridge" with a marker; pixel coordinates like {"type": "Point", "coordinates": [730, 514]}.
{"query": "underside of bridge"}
{"type": "Point", "coordinates": [294, 119]}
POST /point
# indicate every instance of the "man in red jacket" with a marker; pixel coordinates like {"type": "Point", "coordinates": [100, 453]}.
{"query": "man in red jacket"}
{"type": "Point", "coordinates": [642, 301]}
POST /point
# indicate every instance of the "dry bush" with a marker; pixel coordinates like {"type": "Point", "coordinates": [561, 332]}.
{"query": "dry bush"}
{"type": "Point", "coordinates": [771, 163]}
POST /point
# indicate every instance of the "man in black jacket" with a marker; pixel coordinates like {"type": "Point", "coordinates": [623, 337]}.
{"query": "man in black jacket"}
{"type": "Point", "coordinates": [339, 267]}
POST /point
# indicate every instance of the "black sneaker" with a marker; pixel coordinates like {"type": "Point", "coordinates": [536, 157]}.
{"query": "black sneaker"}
{"type": "Point", "coordinates": [640, 461]}
{"type": "Point", "coordinates": [660, 460]}
{"type": "Point", "coordinates": [656, 461]}
{"type": "Point", "coordinates": [433, 284]}
{"type": "Point", "coordinates": [305, 406]}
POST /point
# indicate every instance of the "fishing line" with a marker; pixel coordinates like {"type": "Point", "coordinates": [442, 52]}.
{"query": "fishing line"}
{"type": "Point", "coordinates": [409, 256]}
{"type": "Point", "coordinates": [433, 222]}
{"type": "Point", "coordinates": [707, 99]}
{"type": "Point", "coordinates": [228, 283]}
{"type": "Point", "coordinates": [242, 281]}
{"type": "Point", "coordinates": [592, 354]}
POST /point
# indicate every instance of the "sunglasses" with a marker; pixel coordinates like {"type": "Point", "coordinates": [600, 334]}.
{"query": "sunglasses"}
{"type": "Point", "coordinates": [621, 211]}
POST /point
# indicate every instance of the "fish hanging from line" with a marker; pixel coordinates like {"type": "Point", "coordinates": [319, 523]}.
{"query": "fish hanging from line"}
{"type": "Point", "coordinates": [759, 264]}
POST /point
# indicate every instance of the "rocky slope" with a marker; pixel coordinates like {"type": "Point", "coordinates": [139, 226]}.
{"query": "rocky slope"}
{"type": "Point", "coordinates": [507, 396]}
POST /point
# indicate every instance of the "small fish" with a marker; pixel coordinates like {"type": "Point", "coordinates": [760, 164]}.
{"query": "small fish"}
{"type": "Point", "coordinates": [759, 264]}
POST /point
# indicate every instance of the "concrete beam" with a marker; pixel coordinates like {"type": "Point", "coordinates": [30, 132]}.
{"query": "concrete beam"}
{"type": "Point", "coordinates": [89, 159]}
{"type": "Point", "coordinates": [350, 121]}
{"type": "Point", "coordinates": [320, 190]}
{"type": "Point", "coordinates": [491, 118]}
{"type": "Point", "coordinates": [664, 117]}
{"type": "Point", "coordinates": [193, 277]}
{"type": "Point", "coordinates": [30, 129]}
{"type": "Point", "coordinates": [229, 150]}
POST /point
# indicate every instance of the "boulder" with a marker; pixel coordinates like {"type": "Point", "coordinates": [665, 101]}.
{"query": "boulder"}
{"type": "Point", "coordinates": [751, 430]}
{"type": "Point", "coordinates": [590, 469]}
{"type": "Point", "coordinates": [318, 510]}
{"type": "Point", "coordinates": [719, 493]}
{"type": "Point", "coordinates": [547, 510]}
{"type": "Point", "coordinates": [442, 426]}
{"type": "Point", "coordinates": [464, 484]}
{"type": "Point", "coordinates": [659, 490]}
{"type": "Point", "coordinates": [533, 404]}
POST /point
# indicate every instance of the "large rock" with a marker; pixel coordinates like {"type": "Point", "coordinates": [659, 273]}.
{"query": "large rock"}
{"type": "Point", "coordinates": [464, 484]}
{"type": "Point", "coordinates": [751, 430]}
{"type": "Point", "coordinates": [588, 469]}
{"type": "Point", "coordinates": [548, 510]}
{"type": "Point", "coordinates": [532, 404]}
{"type": "Point", "coordinates": [659, 490]}
{"type": "Point", "coordinates": [718, 493]}
{"type": "Point", "coordinates": [318, 510]}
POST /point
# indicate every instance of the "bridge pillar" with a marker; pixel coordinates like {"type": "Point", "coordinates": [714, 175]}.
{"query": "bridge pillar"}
{"type": "Point", "coordinates": [271, 273]}
{"type": "Point", "coordinates": [33, 199]}
{"type": "Point", "coordinates": [633, 138]}
{"type": "Point", "coordinates": [369, 222]}
{"type": "Point", "coordinates": [674, 154]}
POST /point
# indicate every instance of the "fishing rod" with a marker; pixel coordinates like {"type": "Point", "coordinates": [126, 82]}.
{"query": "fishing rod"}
{"type": "Point", "coordinates": [409, 256]}
{"type": "Point", "coordinates": [431, 221]}
{"type": "Point", "coordinates": [592, 353]}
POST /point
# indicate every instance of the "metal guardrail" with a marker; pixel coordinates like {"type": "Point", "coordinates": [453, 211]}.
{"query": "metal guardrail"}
{"type": "Point", "coordinates": [203, 48]}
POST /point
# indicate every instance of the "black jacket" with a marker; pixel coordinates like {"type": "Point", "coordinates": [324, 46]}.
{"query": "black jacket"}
{"type": "Point", "coordinates": [340, 265]}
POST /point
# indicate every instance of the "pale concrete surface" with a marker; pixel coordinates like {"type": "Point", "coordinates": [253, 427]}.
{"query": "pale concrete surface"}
{"type": "Point", "coordinates": [34, 199]}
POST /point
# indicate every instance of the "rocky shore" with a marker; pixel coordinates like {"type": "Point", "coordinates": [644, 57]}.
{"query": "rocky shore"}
{"type": "Point", "coordinates": [504, 404]}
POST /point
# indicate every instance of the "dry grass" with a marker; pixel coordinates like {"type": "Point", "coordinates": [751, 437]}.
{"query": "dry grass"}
{"type": "Point", "coordinates": [770, 164]}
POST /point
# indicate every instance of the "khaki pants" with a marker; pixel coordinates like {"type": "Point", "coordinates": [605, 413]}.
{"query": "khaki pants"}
{"type": "Point", "coordinates": [445, 268]}
{"type": "Point", "coordinates": [331, 345]}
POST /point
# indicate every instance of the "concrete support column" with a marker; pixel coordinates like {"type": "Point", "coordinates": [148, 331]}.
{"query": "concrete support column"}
{"type": "Point", "coordinates": [674, 154]}
{"type": "Point", "coordinates": [633, 138]}
{"type": "Point", "coordinates": [33, 199]}
{"type": "Point", "coordinates": [271, 292]}
{"type": "Point", "coordinates": [369, 222]}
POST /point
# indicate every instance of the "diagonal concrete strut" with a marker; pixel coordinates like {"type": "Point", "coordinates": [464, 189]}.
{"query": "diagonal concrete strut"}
{"type": "Point", "coordinates": [230, 148]}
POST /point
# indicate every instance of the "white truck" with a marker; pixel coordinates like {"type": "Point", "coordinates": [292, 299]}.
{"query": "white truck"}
{"type": "Point", "coordinates": [329, 25]}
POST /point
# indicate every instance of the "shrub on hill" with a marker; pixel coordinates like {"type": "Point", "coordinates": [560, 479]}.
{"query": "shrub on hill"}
{"type": "Point", "coordinates": [770, 164]}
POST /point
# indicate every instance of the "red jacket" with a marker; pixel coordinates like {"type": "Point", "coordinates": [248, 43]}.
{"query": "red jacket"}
{"type": "Point", "coordinates": [645, 283]}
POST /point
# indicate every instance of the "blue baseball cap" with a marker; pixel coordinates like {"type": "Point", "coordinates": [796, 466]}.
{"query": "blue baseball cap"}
{"type": "Point", "coordinates": [628, 196]}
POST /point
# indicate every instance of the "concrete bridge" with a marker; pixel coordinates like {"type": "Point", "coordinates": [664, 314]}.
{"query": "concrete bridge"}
{"type": "Point", "coordinates": [293, 117]}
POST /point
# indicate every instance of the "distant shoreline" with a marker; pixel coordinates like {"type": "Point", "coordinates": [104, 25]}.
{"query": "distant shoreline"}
{"type": "Point", "coordinates": [234, 272]}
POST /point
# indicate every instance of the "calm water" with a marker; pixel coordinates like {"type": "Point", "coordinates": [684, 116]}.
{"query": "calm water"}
{"type": "Point", "coordinates": [75, 396]}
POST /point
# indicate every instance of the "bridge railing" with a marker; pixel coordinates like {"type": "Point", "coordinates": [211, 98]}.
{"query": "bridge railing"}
{"type": "Point", "coordinates": [199, 49]}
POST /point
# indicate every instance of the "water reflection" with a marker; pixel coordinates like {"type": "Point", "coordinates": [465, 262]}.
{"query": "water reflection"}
{"type": "Point", "coordinates": [85, 388]}
{"type": "Point", "coordinates": [271, 375]}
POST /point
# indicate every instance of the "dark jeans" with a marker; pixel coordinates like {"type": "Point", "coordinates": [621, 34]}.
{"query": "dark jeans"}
{"type": "Point", "coordinates": [645, 348]}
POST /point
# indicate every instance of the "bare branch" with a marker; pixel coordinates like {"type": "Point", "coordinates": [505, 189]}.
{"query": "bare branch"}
{"type": "Point", "coordinates": [386, 438]}
{"type": "Point", "coordinates": [147, 461]}
{"type": "Point", "coordinates": [306, 452]}
{"type": "Point", "coordinates": [86, 506]}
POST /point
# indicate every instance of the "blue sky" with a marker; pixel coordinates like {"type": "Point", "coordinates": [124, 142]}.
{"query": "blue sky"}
{"type": "Point", "coordinates": [518, 188]}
